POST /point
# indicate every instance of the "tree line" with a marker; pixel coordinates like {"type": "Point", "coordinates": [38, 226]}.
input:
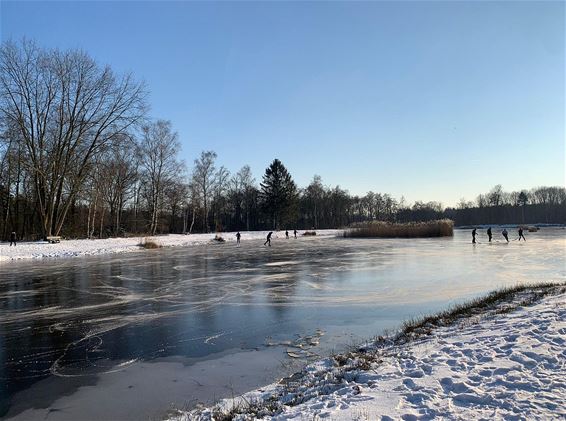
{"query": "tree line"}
{"type": "Point", "coordinates": [80, 157]}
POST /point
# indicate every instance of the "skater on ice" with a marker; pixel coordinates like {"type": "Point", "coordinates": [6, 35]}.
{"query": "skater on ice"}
{"type": "Point", "coordinates": [268, 241]}
{"type": "Point", "coordinates": [521, 234]}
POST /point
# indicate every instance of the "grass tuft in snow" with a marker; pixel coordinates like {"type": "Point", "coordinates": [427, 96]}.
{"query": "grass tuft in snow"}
{"type": "Point", "coordinates": [380, 229]}
{"type": "Point", "coordinates": [250, 409]}
{"type": "Point", "coordinates": [500, 301]}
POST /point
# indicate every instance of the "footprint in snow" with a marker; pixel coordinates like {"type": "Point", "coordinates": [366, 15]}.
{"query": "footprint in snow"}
{"type": "Point", "coordinates": [456, 387]}
{"type": "Point", "coordinates": [415, 374]}
{"type": "Point", "coordinates": [410, 384]}
{"type": "Point", "coordinates": [417, 398]}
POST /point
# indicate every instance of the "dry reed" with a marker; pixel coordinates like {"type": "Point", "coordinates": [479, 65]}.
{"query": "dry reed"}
{"type": "Point", "coordinates": [379, 229]}
{"type": "Point", "coordinates": [149, 244]}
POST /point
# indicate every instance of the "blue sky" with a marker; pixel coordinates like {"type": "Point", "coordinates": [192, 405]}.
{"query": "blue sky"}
{"type": "Point", "coordinates": [430, 100]}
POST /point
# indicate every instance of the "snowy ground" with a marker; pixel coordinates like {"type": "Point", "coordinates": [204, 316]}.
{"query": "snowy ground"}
{"type": "Point", "coordinates": [508, 366]}
{"type": "Point", "coordinates": [72, 248]}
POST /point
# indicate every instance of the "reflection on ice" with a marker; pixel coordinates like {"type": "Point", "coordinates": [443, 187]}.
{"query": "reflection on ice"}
{"type": "Point", "coordinates": [91, 316]}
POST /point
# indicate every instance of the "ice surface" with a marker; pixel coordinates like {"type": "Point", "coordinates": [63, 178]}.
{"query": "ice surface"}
{"type": "Point", "coordinates": [75, 320]}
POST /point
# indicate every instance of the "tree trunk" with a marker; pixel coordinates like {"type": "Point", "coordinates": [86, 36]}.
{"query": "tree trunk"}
{"type": "Point", "coordinates": [101, 222]}
{"type": "Point", "coordinates": [192, 222]}
{"type": "Point", "coordinates": [315, 217]}
{"type": "Point", "coordinates": [88, 221]}
{"type": "Point", "coordinates": [205, 218]}
{"type": "Point", "coordinates": [7, 215]}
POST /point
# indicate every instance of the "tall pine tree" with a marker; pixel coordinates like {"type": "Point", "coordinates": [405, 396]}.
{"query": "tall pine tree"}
{"type": "Point", "coordinates": [279, 194]}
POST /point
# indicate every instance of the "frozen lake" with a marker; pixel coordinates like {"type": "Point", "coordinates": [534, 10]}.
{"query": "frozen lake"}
{"type": "Point", "coordinates": [131, 336]}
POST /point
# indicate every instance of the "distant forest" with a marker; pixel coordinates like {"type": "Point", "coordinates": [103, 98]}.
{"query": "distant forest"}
{"type": "Point", "coordinates": [80, 157]}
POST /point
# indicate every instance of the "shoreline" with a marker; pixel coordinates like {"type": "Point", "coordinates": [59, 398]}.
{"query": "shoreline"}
{"type": "Point", "coordinates": [499, 355]}
{"type": "Point", "coordinates": [34, 250]}
{"type": "Point", "coordinates": [96, 247]}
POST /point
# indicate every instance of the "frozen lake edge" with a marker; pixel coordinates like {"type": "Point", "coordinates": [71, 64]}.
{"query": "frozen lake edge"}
{"type": "Point", "coordinates": [28, 250]}
{"type": "Point", "coordinates": [503, 362]}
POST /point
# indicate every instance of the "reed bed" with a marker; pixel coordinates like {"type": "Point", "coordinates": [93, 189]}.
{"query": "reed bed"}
{"type": "Point", "coordinates": [149, 244]}
{"type": "Point", "coordinates": [379, 229]}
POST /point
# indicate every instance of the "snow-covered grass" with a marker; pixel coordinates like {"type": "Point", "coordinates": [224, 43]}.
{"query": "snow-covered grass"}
{"type": "Point", "coordinates": [501, 356]}
{"type": "Point", "coordinates": [71, 248]}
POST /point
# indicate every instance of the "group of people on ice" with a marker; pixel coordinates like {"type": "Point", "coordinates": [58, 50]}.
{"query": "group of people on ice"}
{"type": "Point", "coordinates": [504, 233]}
{"type": "Point", "coordinates": [268, 240]}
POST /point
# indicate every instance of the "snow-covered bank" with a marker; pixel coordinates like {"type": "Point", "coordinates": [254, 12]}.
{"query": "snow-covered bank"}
{"type": "Point", "coordinates": [502, 364]}
{"type": "Point", "coordinates": [72, 248]}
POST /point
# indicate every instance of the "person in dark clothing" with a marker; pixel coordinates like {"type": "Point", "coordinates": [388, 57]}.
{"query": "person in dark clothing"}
{"type": "Point", "coordinates": [13, 239]}
{"type": "Point", "coordinates": [286, 234]}
{"type": "Point", "coordinates": [521, 234]}
{"type": "Point", "coordinates": [504, 233]}
{"type": "Point", "coordinates": [295, 232]}
{"type": "Point", "coordinates": [238, 235]}
{"type": "Point", "coordinates": [489, 234]}
{"type": "Point", "coordinates": [474, 236]}
{"type": "Point", "coordinates": [268, 241]}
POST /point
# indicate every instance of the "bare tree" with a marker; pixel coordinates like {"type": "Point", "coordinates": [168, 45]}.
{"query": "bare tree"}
{"type": "Point", "coordinates": [220, 189]}
{"type": "Point", "coordinates": [204, 179]}
{"type": "Point", "coordinates": [195, 202]}
{"type": "Point", "coordinates": [176, 193]}
{"type": "Point", "coordinates": [119, 172]}
{"type": "Point", "coordinates": [158, 161]}
{"type": "Point", "coordinates": [242, 193]}
{"type": "Point", "coordinates": [315, 193]}
{"type": "Point", "coordinates": [495, 195]}
{"type": "Point", "coordinates": [92, 192]}
{"type": "Point", "coordinates": [66, 108]}
{"type": "Point", "coordinates": [481, 200]}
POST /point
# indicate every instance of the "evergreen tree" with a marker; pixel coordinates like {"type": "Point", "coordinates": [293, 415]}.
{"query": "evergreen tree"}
{"type": "Point", "coordinates": [523, 199]}
{"type": "Point", "coordinates": [279, 194]}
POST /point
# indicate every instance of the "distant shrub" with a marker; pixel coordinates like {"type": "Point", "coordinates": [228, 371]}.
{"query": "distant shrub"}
{"type": "Point", "coordinates": [149, 244]}
{"type": "Point", "coordinates": [309, 233]}
{"type": "Point", "coordinates": [379, 229]}
{"type": "Point", "coordinates": [219, 239]}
